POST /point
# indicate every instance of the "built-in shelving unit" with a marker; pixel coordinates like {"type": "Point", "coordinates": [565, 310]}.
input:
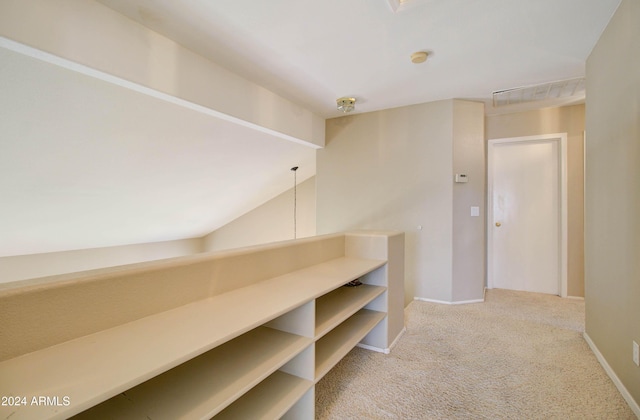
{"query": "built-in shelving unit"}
{"type": "Point", "coordinates": [251, 352]}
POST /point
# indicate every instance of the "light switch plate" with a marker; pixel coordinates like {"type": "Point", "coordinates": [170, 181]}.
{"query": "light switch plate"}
{"type": "Point", "coordinates": [475, 211]}
{"type": "Point", "coordinates": [461, 178]}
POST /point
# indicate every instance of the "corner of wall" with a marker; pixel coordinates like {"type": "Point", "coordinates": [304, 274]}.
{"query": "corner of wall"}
{"type": "Point", "coordinates": [612, 197]}
{"type": "Point", "coordinates": [468, 229]}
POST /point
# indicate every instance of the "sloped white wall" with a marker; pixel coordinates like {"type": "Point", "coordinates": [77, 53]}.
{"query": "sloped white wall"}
{"type": "Point", "coordinates": [272, 221]}
{"type": "Point", "coordinates": [23, 267]}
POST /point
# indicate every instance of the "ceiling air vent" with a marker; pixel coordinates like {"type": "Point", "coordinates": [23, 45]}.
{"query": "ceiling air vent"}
{"type": "Point", "coordinates": [546, 91]}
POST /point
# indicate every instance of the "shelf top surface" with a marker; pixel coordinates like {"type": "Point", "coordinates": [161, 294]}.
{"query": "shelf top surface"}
{"type": "Point", "coordinates": [93, 368]}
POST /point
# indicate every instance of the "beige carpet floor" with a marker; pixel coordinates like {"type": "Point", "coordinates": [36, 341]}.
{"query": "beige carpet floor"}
{"type": "Point", "coordinates": [518, 355]}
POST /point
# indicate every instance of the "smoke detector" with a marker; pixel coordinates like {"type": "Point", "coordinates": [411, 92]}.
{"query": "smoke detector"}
{"type": "Point", "coordinates": [419, 57]}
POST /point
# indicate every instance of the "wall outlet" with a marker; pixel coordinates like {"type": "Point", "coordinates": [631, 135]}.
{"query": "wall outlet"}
{"type": "Point", "coordinates": [636, 354]}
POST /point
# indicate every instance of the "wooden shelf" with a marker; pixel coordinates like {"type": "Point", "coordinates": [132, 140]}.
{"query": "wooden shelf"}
{"type": "Point", "coordinates": [268, 400]}
{"type": "Point", "coordinates": [337, 343]}
{"type": "Point", "coordinates": [340, 304]}
{"type": "Point", "coordinates": [112, 361]}
{"type": "Point", "coordinates": [203, 386]}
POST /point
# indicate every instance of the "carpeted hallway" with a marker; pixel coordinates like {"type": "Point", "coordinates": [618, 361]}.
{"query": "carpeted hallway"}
{"type": "Point", "coordinates": [517, 356]}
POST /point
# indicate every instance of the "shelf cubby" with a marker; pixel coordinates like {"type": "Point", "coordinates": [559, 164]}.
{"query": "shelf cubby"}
{"type": "Point", "coordinates": [270, 399]}
{"type": "Point", "coordinates": [338, 342]}
{"type": "Point", "coordinates": [341, 303]}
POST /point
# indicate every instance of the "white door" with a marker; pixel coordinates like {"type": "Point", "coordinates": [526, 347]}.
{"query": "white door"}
{"type": "Point", "coordinates": [525, 235]}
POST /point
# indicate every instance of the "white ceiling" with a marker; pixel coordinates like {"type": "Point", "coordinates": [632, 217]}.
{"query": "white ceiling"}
{"type": "Point", "coordinates": [313, 52]}
{"type": "Point", "coordinates": [85, 163]}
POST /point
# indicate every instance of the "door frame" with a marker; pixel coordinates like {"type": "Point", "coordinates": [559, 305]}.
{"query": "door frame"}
{"type": "Point", "coordinates": [561, 139]}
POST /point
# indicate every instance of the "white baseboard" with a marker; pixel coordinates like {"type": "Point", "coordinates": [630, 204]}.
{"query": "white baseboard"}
{"type": "Point", "coordinates": [380, 350]}
{"type": "Point", "coordinates": [444, 302]}
{"type": "Point", "coordinates": [616, 381]}
{"type": "Point", "coordinates": [393, 344]}
{"type": "Point", "coordinates": [372, 348]}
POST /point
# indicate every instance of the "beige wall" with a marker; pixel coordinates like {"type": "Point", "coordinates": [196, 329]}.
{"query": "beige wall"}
{"type": "Point", "coordinates": [570, 120]}
{"type": "Point", "coordinates": [39, 265]}
{"type": "Point", "coordinates": [612, 223]}
{"type": "Point", "coordinates": [393, 169]}
{"type": "Point", "coordinates": [272, 221]}
{"type": "Point", "coordinates": [468, 232]}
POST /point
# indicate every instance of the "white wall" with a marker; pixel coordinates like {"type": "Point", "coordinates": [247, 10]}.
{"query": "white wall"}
{"type": "Point", "coordinates": [39, 265]}
{"type": "Point", "coordinates": [393, 169]}
{"type": "Point", "coordinates": [271, 222]}
{"type": "Point", "coordinates": [612, 213]}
